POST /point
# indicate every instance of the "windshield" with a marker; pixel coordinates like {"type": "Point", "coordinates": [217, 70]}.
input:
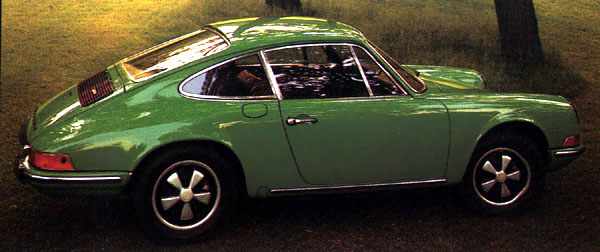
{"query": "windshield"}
{"type": "Point", "coordinates": [409, 76]}
{"type": "Point", "coordinates": [173, 55]}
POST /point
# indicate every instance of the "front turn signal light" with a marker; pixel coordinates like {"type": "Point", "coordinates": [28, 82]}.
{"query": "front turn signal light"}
{"type": "Point", "coordinates": [51, 161]}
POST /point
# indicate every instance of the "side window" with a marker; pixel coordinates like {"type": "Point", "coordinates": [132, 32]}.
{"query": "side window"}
{"type": "Point", "coordinates": [241, 77]}
{"type": "Point", "coordinates": [379, 81]}
{"type": "Point", "coordinates": [327, 71]}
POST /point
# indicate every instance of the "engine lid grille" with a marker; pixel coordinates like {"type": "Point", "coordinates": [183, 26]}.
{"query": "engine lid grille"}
{"type": "Point", "coordinates": [94, 89]}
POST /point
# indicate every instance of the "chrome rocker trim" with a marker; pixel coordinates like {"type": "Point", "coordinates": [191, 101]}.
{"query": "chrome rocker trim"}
{"type": "Point", "coordinates": [356, 188]}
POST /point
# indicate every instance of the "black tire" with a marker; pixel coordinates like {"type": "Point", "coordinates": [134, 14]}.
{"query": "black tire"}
{"type": "Point", "coordinates": [161, 206]}
{"type": "Point", "coordinates": [511, 188]}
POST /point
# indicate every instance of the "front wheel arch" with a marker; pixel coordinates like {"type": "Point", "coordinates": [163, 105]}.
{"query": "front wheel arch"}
{"type": "Point", "coordinates": [522, 128]}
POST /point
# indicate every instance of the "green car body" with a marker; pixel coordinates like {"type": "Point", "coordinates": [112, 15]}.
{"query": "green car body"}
{"type": "Point", "coordinates": [424, 137]}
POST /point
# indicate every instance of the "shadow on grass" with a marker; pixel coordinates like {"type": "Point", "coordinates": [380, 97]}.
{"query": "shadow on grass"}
{"type": "Point", "coordinates": [461, 49]}
{"type": "Point", "coordinates": [549, 76]}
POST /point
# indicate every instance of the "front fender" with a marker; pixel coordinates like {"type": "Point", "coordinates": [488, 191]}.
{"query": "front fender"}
{"type": "Point", "coordinates": [553, 115]}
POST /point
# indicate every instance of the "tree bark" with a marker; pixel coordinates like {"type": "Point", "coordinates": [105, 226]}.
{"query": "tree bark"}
{"type": "Point", "coordinates": [519, 35]}
{"type": "Point", "coordinates": [290, 5]}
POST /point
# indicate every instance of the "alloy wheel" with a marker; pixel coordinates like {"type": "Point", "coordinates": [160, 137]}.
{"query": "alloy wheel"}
{"type": "Point", "coordinates": [501, 176]}
{"type": "Point", "coordinates": [186, 194]}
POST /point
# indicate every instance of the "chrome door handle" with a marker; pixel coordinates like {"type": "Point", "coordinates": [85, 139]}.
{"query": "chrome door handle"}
{"type": "Point", "coordinates": [295, 121]}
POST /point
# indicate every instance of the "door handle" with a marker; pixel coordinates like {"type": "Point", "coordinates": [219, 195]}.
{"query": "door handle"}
{"type": "Point", "coordinates": [295, 121]}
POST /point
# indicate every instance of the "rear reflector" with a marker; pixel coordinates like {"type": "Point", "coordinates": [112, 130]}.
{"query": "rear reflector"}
{"type": "Point", "coordinates": [571, 141]}
{"type": "Point", "coordinates": [94, 89]}
{"type": "Point", "coordinates": [51, 161]}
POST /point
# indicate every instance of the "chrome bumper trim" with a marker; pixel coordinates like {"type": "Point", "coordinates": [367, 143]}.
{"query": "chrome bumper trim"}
{"type": "Point", "coordinates": [355, 187]}
{"type": "Point", "coordinates": [24, 172]}
{"type": "Point", "coordinates": [562, 157]}
{"type": "Point", "coordinates": [568, 151]}
{"type": "Point", "coordinates": [565, 152]}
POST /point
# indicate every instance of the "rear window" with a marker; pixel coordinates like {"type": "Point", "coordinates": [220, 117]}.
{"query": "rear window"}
{"type": "Point", "coordinates": [173, 55]}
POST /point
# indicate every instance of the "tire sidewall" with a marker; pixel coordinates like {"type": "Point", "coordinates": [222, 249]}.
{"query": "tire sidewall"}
{"type": "Point", "coordinates": [524, 147]}
{"type": "Point", "coordinates": [143, 193]}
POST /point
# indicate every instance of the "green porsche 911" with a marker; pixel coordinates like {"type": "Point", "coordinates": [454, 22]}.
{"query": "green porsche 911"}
{"type": "Point", "coordinates": [264, 107]}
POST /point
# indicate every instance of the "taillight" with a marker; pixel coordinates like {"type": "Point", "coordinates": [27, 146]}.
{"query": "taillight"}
{"type": "Point", "coordinates": [571, 141]}
{"type": "Point", "coordinates": [94, 89]}
{"type": "Point", "coordinates": [51, 161]}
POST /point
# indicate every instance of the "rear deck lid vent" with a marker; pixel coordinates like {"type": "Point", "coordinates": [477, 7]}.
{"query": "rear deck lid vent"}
{"type": "Point", "coordinates": [94, 89]}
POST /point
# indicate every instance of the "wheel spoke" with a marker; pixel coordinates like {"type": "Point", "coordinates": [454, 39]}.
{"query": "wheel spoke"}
{"type": "Point", "coordinates": [505, 162]}
{"type": "Point", "coordinates": [487, 186]}
{"type": "Point", "coordinates": [514, 175]}
{"type": "Point", "coordinates": [203, 197]}
{"type": "Point", "coordinates": [488, 167]}
{"type": "Point", "coordinates": [505, 192]}
{"type": "Point", "coordinates": [169, 202]}
{"type": "Point", "coordinates": [196, 178]}
{"type": "Point", "coordinates": [186, 212]}
{"type": "Point", "coordinates": [174, 181]}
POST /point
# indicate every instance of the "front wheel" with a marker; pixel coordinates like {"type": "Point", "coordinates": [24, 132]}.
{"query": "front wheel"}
{"type": "Point", "coordinates": [183, 194]}
{"type": "Point", "coordinates": [504, 174]}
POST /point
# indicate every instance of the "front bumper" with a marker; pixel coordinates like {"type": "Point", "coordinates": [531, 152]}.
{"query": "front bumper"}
{"type": "Point", "coordinates": [79, 182]}
{"type": "Point", "coordinates": [562, 157]}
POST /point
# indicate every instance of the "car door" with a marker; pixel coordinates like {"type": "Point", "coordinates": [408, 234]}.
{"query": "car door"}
{"type": "Point", "coordinates": [349, 124]}
{"type": "Point", "coordinates": [245, 113]}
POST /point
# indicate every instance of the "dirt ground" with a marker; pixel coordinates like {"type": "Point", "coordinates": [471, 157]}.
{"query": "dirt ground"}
{"type": "Point", "coordinates": [47, 46]}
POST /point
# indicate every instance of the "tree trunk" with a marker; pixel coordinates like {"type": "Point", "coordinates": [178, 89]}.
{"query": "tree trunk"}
{"type": "Point", "coordinates": [289, 5]}
{"type": "Point", "coordinates": [519, 35]}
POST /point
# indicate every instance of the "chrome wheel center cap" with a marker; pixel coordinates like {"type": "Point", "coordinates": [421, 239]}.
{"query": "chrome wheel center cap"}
{"type": "Point", "coordinates": [186, 195]}
{"type": "Point", "coordinates": [501, 176]}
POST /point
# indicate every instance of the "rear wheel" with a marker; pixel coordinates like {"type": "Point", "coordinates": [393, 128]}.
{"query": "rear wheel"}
{"type": "Point", "coordinates": [184, 193]}
{"type": "Point", "coordinates": [504, 173]}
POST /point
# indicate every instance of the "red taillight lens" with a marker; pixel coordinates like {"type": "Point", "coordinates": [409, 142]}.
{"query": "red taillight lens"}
{"type": "Point", "coordinates": [51, 161]}
{"type": "Point", "coordinates": [571, 141]}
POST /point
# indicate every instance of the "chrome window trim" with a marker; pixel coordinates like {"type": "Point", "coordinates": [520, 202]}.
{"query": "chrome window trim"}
{"type": "Point", "coordinates": [221, 98]}
{"type": "Point", "coordinates": [270, 75]}
{"type": "Point", "coordinates": [362, 71]}
{"type": "Point", "coordinates": [385, 70]}
{"type": "Point", "coordinates": [353, 187]}
{"type": "Point", "coordinates": [373, 47]}
{"type": "Point", "coordinates": [351, 45]}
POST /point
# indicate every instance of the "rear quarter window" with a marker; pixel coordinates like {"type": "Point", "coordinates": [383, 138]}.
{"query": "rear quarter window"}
{"type": "Point", "coordinates": [239, 78]}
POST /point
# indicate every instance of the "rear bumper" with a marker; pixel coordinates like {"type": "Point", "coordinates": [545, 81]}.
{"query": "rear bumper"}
{"type": "Point", "coordinates": [562, 157]}
{"type": "Point", "coordinates": [85, 183]}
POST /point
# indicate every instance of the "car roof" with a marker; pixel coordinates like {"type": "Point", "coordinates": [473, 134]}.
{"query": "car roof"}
{"type": "Point", "coordinates": [260, 32]}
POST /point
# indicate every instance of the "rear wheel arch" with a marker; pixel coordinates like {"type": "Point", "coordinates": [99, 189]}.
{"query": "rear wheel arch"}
{"type": "Point", "coordinates": [220, 148]}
